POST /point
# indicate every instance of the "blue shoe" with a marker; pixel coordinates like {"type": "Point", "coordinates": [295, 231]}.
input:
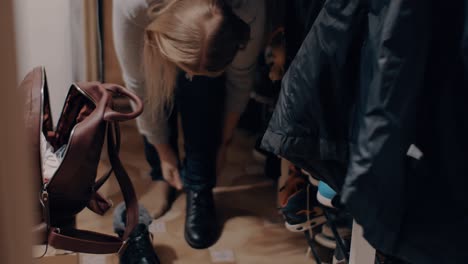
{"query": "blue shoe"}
{"type": "Point", "coordinates": [300, 215]}
{"type": "Point", "coordinates": [325, 194]}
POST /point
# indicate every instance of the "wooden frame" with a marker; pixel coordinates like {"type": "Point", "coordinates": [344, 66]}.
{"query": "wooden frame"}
{"type": "Point", "coordinates": [91, 39]}
{"type": "Point", "coordinates": [15, 186]}
{"type": "Point", "coordinates": [112, 72]}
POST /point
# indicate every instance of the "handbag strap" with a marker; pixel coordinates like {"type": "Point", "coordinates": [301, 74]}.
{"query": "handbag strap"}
{"type": "Point", "coordinates": [97, 243]}
{"type": "Point", "coordinates": [125, 184]}
{"type": "Point", "coordinates": [107, 175]}
{"type": "Point", "coordinates": [85, 241]}
{"type": "Point", "coordinates": [112, 115]}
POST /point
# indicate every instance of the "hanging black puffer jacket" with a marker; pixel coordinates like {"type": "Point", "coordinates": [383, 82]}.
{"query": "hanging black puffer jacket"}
{"type": "Point", "coordinates": [299, 18]}
{"type": "Point", "coordinates": [407, 166]}
{"type": "Point", "coordinates": [311, 120]}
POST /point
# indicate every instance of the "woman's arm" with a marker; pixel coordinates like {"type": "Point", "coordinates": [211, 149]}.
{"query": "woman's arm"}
{"type": "Point", "coordinates": [129, 22]}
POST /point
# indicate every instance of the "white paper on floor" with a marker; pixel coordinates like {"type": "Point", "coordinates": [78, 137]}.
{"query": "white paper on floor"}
{"type": "Point", "coordinates": [158, 227]}
{"type": "Point", "coordinates": [220, 256]}
{"type": "Point", "coordinates": [93, 259]}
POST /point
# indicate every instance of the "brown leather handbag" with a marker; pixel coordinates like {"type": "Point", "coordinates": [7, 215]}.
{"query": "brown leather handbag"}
{"type": "Point", "coordinates": [86, 119]}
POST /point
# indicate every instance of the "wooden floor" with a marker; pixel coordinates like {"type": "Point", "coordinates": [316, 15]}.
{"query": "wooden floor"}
{"type": "Point", "coordinates": [253, 232]}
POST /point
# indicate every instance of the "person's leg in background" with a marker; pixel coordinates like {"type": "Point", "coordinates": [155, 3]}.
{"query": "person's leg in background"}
{"type": "Point", "coordinates": [201, 105]}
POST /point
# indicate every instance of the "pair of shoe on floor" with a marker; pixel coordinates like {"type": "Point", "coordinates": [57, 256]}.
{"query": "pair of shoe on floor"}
{"type": "Point", "coordinates": [201, 230]}
{"type": "Point", "coordinates": [302, 198]}
{"type": "Point", "coordinates": [298, 203]}
{"type": "Point", "coordinates": [302, 201]}
{"type": "Point", "coordinates": [326, 239]}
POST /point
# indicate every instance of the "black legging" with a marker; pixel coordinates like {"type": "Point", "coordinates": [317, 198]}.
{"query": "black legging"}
{"type": "Point", "coordinates": [200, 103]}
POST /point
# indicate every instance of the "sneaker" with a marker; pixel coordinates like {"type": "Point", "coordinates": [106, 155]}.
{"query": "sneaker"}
{"type": "Point", "coordinates": [344, 231]}
{"type": "Point", "coordinates": [327, 240]}
{"type": "Point", "coordinates": [324, 254]}
{"type": "Point", "coordinates": [325, 194]}
{"type": "Point", "coordinates": [298, 203]}
{"type": "Point", "coordinates": [311, 178]}
{"type": "Point", "coordinates": [338, 256]}
{"type": "Point", "coordinates": [326, 237]}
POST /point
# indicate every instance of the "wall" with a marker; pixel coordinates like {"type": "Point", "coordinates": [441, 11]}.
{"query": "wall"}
{"type": "Point", "coordinates": [15, 188]}
{"type": "Point", "coordinates": [44, 37]}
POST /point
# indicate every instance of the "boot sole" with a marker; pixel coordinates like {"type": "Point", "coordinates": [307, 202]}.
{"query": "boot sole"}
{"type": "Point", "coordinates": [195, 245]}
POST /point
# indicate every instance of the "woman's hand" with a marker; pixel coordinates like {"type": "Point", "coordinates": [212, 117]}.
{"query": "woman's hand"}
{"type": "Point", "coordinates": [169, 165]}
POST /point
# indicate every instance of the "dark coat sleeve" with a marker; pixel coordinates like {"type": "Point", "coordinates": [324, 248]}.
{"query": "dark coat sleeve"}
{"type": "Point", "coordinates": [412, 95]}
{"type": "Point", "coordinates": [311, 118]}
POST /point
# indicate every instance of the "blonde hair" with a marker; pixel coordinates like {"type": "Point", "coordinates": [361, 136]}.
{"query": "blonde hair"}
{"type": "Point", "coordinates": [198, 36]}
